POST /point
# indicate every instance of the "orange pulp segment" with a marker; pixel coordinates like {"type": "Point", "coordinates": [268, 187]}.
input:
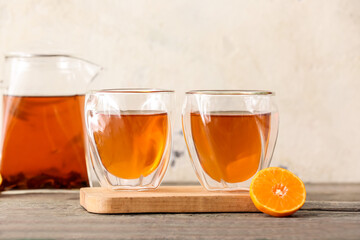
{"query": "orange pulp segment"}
{"type": "Point", "coordinates": [277, 192]}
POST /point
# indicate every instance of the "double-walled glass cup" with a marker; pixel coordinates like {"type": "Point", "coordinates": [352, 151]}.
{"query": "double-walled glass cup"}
{"type": "Point", "coordinates": [129, 133]}
{"type": "Point", "coordinates": [230, 135]}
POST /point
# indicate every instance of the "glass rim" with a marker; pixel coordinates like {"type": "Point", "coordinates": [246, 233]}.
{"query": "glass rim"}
{"type": "Point", "coordinates": [33, 55]}
{"type": "Point", "coordinates": [231, 92]}
{"type": "Point", "coordinates": [131, 90]}
{"type": "Point", "coordinates": [30, 56]}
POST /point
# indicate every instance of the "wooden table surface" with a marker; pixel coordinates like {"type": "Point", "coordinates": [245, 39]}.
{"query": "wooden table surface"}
{"type": "Point", "coordinates": [332, 211]}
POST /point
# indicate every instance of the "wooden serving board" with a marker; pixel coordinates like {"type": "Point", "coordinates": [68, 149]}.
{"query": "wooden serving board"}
{"type": "Point", "coordinates": [167, 199]}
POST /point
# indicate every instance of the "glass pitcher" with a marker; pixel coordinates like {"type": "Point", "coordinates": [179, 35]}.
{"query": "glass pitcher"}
{"type": "Point", "coordinates": [43, 134]}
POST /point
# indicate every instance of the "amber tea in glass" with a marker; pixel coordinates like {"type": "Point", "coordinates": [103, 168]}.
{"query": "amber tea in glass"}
{"type": "Point", "coordinates": [132, 143]}
{"type": "Point", "coordinates": [224, 155]}
{"type": "Point", "coordinates": [129, 133]}
{"type": "Point", "coordinates": [230, 135]}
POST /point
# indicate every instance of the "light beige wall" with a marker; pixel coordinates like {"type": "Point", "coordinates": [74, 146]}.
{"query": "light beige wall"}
{"type": "Point", "coordinates": [306, 51]}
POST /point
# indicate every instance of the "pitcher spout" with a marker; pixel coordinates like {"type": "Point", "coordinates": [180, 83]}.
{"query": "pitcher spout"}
{"type": "Point", "coordinates": [89, 70]}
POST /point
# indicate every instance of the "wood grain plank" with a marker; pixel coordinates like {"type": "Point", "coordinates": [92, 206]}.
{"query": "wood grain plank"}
{"type": "Point", "coordinates": [167, 199]}
{"type": "Point", "coordinates": [332, 206]}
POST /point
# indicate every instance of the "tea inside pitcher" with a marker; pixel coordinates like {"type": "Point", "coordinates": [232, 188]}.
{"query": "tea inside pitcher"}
{"type": "Point", "coordinates": [43, 142]}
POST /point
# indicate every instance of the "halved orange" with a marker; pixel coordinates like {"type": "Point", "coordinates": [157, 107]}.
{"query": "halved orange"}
{"type": "Point", "coordinates": [277, 192]}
